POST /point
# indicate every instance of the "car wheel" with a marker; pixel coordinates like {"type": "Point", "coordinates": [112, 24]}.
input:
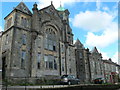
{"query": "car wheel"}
{"type": "Point", "coordinates": [69, 83]}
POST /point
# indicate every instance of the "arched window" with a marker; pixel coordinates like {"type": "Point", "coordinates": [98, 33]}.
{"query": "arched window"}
{"type": "Point", "coordinates": [50, 39]}
{"type": "Point", "coordinates": [50, 43]}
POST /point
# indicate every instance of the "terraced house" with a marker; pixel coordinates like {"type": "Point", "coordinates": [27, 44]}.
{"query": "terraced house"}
{"type": "Point", "coordinates": [110, 69]}
{"type": "Point", "coordinates": [40, 44]}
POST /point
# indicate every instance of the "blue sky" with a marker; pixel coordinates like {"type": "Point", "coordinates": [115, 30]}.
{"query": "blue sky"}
{"type": "Point", "coordinates": [94, 23]}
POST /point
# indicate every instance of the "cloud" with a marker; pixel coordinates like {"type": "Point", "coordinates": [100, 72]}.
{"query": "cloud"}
{"type": "Point", "coordinates": [1, 29]}
{"type": "Point", "coordinates": [70, 20]}
{"type": "Point", "coordinates": [119, 58]}
{"type": "Point", "coordinates": [56, 3]}
{"type": "Point", "coordinates": [92, 20]}
{"type": "Point", "coordinates": [74, 41]}
{"type": "Point", "coordinates": [105, 8]}
{"type": "Point", "coordinates": [98, 21]}
{"type": "Point", "coordinates": [105, 55]}
{"type": "Point", "coordinates": [98, 4]}
{"type": "Point", "coordinates": [61, 0]}
{"type": "Point", "coordinates": [109, 36]}
{"type": "Point", "coordinates": [115, 57]}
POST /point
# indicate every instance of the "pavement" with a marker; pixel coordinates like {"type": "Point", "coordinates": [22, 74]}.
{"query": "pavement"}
{"type": "Point", "coordinates": [34, 87]}
{"type": "Point", "coordinates": [63, 87]}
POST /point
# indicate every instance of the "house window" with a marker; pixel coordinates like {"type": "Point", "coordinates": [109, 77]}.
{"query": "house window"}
{"type": "Point", "coordinates": [9, 21]}
{"type": "Point", "coordinates": [45, 43]}
{"type": "Point", "coordinates": [62, 67]}
{"type": "Point", "coordinates": [69, 50]}
{"type": "Point", "coordinates": [51, 58]}
{"type": "Point", "coordinates": [69, 39]}
{"type": "Point", "coordinates": [61, 16]}
{"type": "Point", "coordinates": [23, 59]}
{"type": "Point", "coordinates": [50, 46]}
{"type": "Point", "coordinates": [96, 68]}
{"type": "Point", "coordinates": [80, 55]}
{"type": "Point", "coordinates": [24, 39]}
{"type": "Point", "coordinates": [55, 64]}
{"type": "Point", "coordinates": [54, 48]}
{"type": "Point", "coordinates": [39, 41]}
{"type": "Point", "coordinates": [62, 48]}
{"type": "Point", "coordinates": [6, 39]}
{"type": "Point", "coordinates": [38, 60]}
{"type": "Point", "coordinates": [70, 70]}
{"type": "Point", "coordinates": [23, 22]}
{"type": "Point", "coordinates": [50, 62]}
{"type": "Point", "coordinates": [46, 61]}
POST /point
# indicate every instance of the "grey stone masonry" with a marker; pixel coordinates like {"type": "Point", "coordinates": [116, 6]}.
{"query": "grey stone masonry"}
{"type": "Point", "coordinates": [39, 44]}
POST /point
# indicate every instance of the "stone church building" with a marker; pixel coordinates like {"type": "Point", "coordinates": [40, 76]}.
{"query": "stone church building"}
{"type": "Point", "coordinates": [37, 44]}
{"type": "Point", "coordinates": [40, 44]}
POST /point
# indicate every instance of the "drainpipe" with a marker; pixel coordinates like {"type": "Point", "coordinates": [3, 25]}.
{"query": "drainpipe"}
{"type": "Point", "coordinates": [66, 46]}
{"type": "Point", "coordinates": [59, 58]}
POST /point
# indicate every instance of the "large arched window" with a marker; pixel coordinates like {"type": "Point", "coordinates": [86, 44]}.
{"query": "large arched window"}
{"type": "Point", "coordinates": [50, 39]}
{"type": "Point", "coordinates": [50, 43]}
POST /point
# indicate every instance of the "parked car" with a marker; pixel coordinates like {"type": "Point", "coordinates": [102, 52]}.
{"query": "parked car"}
{"type": "Point", "coordinates": [69, 79]}
{"type": "Point", "coordinates": [98, 81]}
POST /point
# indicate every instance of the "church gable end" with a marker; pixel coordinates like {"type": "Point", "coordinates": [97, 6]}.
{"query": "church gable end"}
{"type": "Point", "coordinates": [51, 11]}
{"type": "Point", "coordinates": [23, 8]}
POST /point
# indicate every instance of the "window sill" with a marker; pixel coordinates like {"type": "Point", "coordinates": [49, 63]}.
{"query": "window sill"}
{"type": "Point", "coordinates": [50, 50]}
{"type": "Point", "coordinates": [50, 69]}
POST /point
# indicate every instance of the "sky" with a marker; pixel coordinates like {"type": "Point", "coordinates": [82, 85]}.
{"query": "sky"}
{"type": "Point", "coordinates": [93, 22]}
